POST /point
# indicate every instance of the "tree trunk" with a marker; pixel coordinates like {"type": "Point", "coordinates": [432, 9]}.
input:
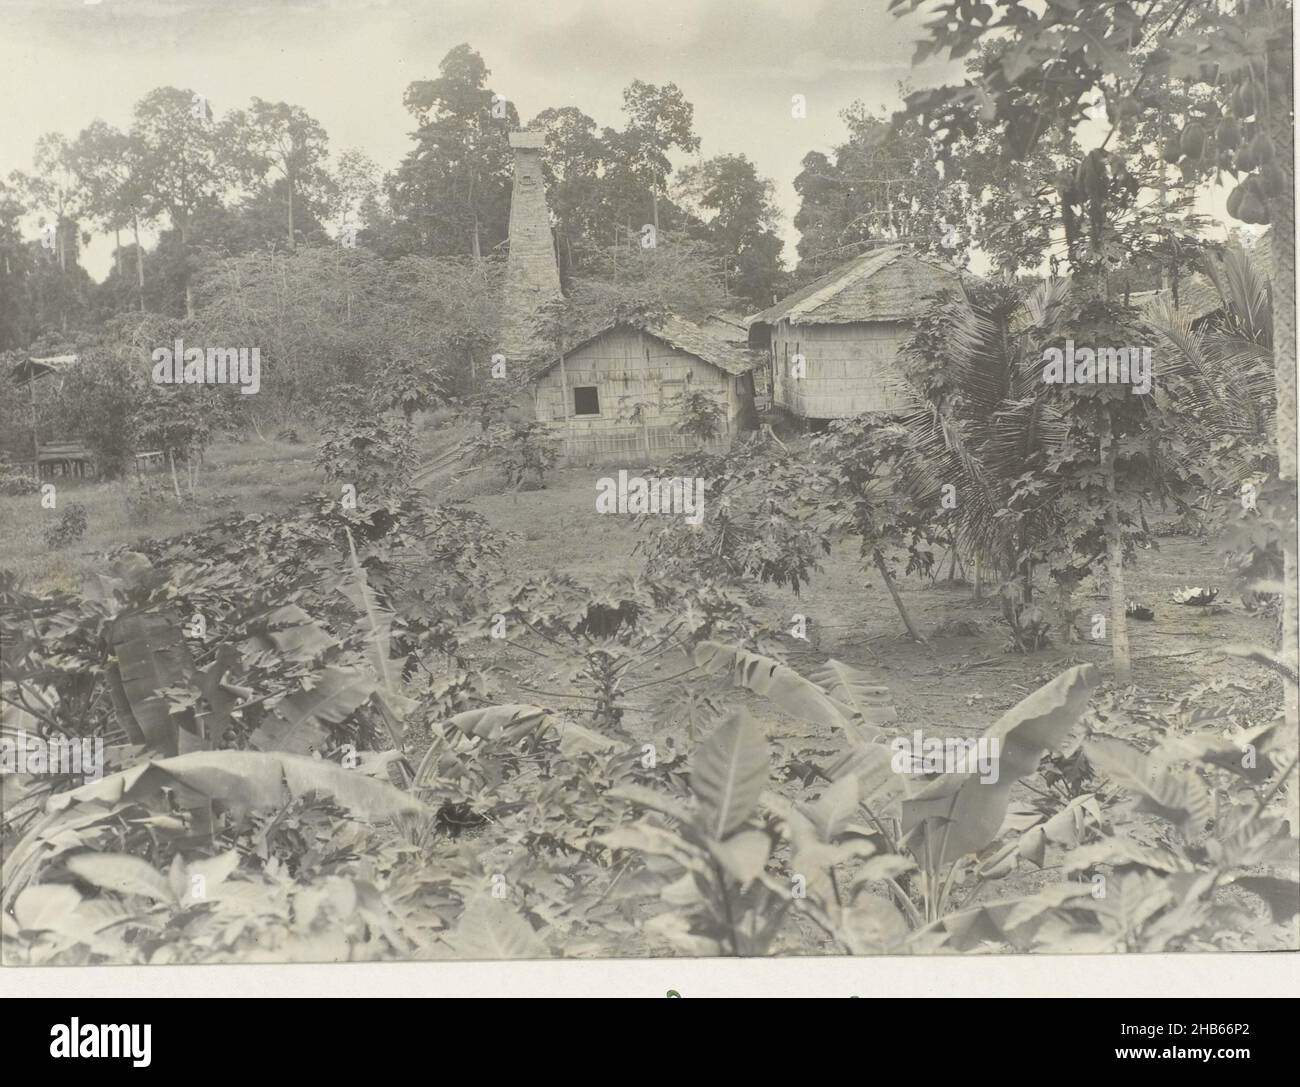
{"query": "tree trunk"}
{"type": "Point", "coordinates": [1115, 563]}
{"type": "Point", "coordinates": [1281, 209]}
{"type": "Point", "coordinates": [289, 185]}
{"type": "Point", "coordinates": [189, 286]}
{"type": "Point", "coordinates": [139, 259]}
{"type": "Point", "coordinates": [176, 483]}
{"type": "Point", "coordinates": [879, 560]}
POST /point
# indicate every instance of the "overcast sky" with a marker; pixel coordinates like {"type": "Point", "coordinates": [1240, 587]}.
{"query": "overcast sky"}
{"type": "Point", "coordinates": [65, 62]}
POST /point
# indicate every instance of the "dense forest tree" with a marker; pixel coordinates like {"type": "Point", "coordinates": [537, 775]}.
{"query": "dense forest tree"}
{"type": "Point", "coordinates": [284, 146]}
{"type": "Point", "coordinates": [883, 183]}
{"type": "Point", "coordinates": [659, 120]}
{"type": "Point", "coordinates": [182, 162]}
{"type": "Point", "coordinates": [109, 165]}
{"type": "Point", "coordinates": [451, 193]}
{"type": "Point", "coordinates": [739, 220]}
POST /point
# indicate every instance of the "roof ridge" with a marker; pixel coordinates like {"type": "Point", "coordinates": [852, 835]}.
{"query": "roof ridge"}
{"type": "Point", "coordinates": [855, 271]}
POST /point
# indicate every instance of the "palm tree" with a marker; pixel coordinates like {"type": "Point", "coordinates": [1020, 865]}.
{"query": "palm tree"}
{"type": "Point", "coordinates": [1217, 396]}
{"type": "Point", "coordinates": [1216, 392]}
{"type": "Point", "coordinates": [983, 420]}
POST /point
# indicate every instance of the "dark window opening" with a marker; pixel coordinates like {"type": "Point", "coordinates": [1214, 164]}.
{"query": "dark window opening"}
{"type": "Point", "coordinates": [586, 400]}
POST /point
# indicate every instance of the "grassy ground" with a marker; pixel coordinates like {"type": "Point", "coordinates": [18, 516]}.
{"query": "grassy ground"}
{"type": "Point", "coordinates": [248, 477]}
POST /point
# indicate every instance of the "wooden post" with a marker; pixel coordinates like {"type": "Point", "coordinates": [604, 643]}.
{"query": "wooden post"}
{"type": "Point", "coordinates": [564, 384]}
{"type": "Point", "coordinates": [36, 441]}
{"type": "Point", "coordinates": [1115, 562]}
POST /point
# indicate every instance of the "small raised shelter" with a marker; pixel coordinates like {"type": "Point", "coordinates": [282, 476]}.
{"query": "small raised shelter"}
{"type": "Point", "coordinates": [71, 458]}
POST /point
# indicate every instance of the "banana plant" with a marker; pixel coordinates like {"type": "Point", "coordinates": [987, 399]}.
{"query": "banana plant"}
{"type": "Point", "coordinates": [713, 853]}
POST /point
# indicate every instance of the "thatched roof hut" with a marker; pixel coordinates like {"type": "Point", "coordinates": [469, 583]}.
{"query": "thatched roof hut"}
{"type": "Point", "coordinates": [832, 345]}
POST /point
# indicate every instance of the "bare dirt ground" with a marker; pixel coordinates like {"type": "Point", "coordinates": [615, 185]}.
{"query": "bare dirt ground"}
{"type": "Point", "coordinates": [957, 682]}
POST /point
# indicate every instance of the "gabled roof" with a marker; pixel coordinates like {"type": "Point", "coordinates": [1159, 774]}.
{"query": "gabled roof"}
{"type": "Point", "coordinates": [885, 284]}
{"type": "Point", "coordinates": [685, 336]}
{"type": "Point", "coordinates": [1197, 295]}
{"type": "Point", "coordinates": [31, 368]}
{"type": "Point", "coordinates": [726, 325]}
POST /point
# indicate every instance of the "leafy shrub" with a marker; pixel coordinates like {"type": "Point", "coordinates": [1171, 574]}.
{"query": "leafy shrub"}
{"type": "Point", "coordinates": [145, 502]}
{"type": "Point", "coordinates": [97, 403]}
{"type": "Point", "coordinates": [702, 415]}
{"type": "Point", "coordinates": [364, 444]}
{"type": "Point", "coordinates": [518, 450]}
{"type": "Point", "coordinates": [15, 480]}
{"type": "Point", "coordinates": [70, 527]}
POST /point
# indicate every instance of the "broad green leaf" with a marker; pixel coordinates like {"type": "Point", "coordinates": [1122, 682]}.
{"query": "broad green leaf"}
{"type": "Point", "coordinates": [873, 926]}
{"type": "Point", "coordinates": [376, 620]}
{"type": "Point", "coordinates": [854, 688]}
{"type": "Point", "coordinates": [1117, 852]}
{"type": "Point", "coordinates": [880, 788]}
{"type": "Point", "coordinates": [1051, 897]}
{"type": "Point", "coordinates": [245, 779]}
{"type": "Point", "coordinates": [645, 837]}
{"type": "Point", "coordinates": [491, 929]}
{"type": "Point", "coordinates": [122, 873]}
{"type": "Point", "coordinates": [652, 799]}
{"type": "Point", "coordinates": [576, 739]}
{"type": "Point", "coordinates": [508, 722]}
{"type": "Point", "coordinates": [1041, 721]}
{"type": "Point", "coordinates": [774, 680]}
{"type": "Point", "coordinates": [300, 722]}
{"type": "Point", "coordinates": [46, 906]}
{"type": "Point", "coordinates": [675, 930]}
{"type": "Point", "coordinates": [743, 855]}
{"type": "Point", "coordinates": [149, 654]}
{"type": "Point", "coordinates": [728, 773]}
{"type": "Point", "coordinates": [831, 812]}
{"type": "Point", "coordinates": [1177, 797]}
{"type": "Point", "coordinates": [958, 814]}
{"type": "Point", "coordinates": [881, 867]}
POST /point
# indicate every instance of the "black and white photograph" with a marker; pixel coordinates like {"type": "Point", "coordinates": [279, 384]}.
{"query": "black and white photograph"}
{"type": "Point", "coordinates": [619, 481]}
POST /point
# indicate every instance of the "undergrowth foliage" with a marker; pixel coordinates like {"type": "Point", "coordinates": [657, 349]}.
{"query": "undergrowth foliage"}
{"type": "Point", "coordinates": [313, 749]}
{"type": "Point", "coordinates": [318, 772]}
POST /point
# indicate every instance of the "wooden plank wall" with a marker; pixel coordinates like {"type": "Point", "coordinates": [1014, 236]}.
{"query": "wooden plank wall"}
{"type": "Point", "coordinates": [850, 368]}
{"type": "Point", "coordinates": [630, 368]}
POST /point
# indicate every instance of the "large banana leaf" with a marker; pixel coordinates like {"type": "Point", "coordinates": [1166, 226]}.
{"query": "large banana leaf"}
{"type": "Point", "coordinates": [245, 779]}
{"type": "Point", "coordinates": [728, 773]}
{"type": "Point", "coordinates": [376, 620]}
{"type": "Point", "coordinates": [957, 814]}
{"type": "Point", "coordinates": [123, 873]}
{"type": "Point", "coordinates": [853, 687]}
{"type": "Point", "coordinates": [300, 722]}
{"type": "Point", "coordinates": [149, 655]}
{"type": "Point", "coordinates": [772, 679]}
